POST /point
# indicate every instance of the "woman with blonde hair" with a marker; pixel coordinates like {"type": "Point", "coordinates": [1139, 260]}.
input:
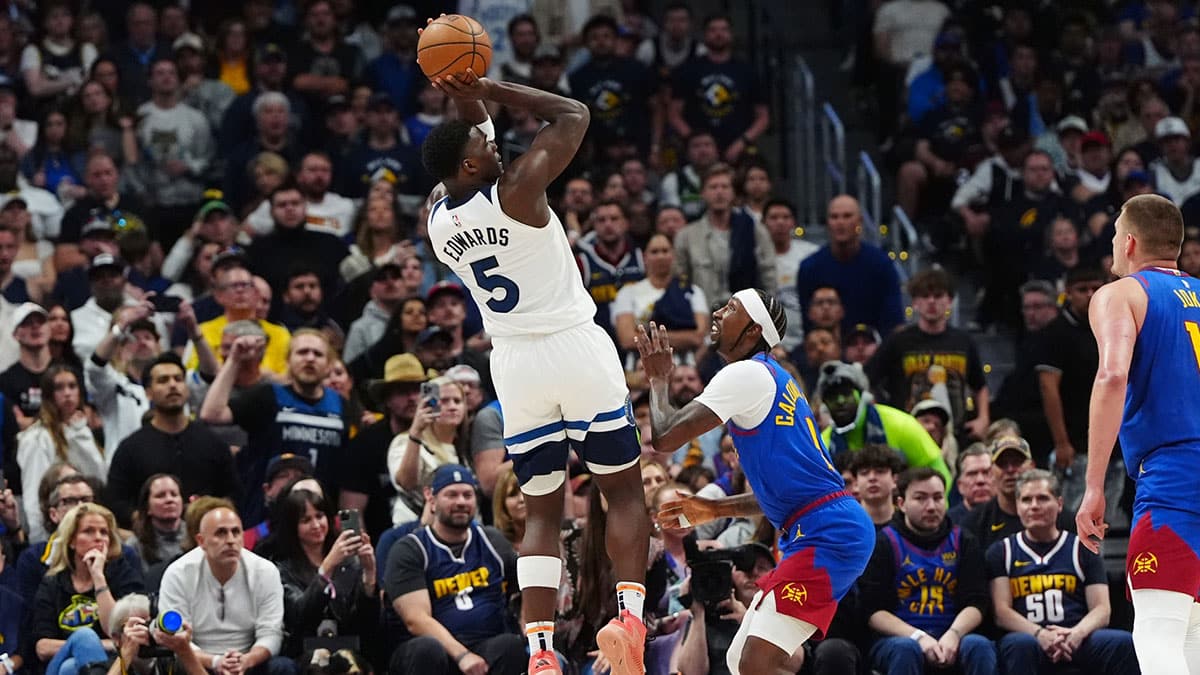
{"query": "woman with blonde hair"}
{"type": "Point", "coordinates": [440, 434]}
{"type": "Point", "coordinates": [378, 239]}
{"type": "Point", "coordinates": [60, 434]}
{"type": "Point", "coordinates": [75, 599]}
{"type": "Point", "coordinates": [270, 170]}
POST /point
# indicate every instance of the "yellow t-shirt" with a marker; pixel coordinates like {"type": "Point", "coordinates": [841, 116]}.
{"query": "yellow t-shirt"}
{"type": "Point", "coordinates": [274, 358]}
{"type": "Point", "coordinates": [233, 73]}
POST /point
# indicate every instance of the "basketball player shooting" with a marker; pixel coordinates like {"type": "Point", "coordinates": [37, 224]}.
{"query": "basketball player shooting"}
{"type": "Point", "coordinates": [557, 374]}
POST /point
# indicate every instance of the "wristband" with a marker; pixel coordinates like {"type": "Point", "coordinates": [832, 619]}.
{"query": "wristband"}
{"type": "Point", "coordinates": [102, 589]}
{"type": "Point", "coordinates": [1038, 632]}
{"type": "Point", "coordinates": [458, 659]}
{"type": "Point", "coordinates": [489, 130]}
{"type": "Point", "coordinates": [956, 631]}
{"type": "Point", "coordinates": [917, 635]}
{"type": "Point", "coordinates": [216, 663]}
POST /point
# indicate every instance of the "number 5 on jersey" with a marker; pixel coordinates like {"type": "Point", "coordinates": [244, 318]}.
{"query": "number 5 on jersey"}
{"type": "Point", "coordinates": [494, 282]}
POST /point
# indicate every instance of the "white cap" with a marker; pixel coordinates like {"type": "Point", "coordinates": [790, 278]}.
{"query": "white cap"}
{"type": "Point", "coordinates": [1171, 126]}
{"type": "Point", "coordinates": [25, 310]}
{"type": "Point", "coordinates": [1072, 122]}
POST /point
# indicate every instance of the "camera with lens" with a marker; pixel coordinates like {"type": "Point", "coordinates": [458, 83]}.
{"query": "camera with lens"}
{"type": "Point", "coordinates": [169, 621]}
{"type": "Point", "coordinates": [712, 572]}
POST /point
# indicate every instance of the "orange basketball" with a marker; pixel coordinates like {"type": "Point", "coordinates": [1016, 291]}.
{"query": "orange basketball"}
{"type": "Point", "coordinates": [453, 43]}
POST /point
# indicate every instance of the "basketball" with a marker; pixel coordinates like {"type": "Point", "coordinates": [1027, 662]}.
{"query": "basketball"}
{"type": "Point", "coordinates": [452, 44]}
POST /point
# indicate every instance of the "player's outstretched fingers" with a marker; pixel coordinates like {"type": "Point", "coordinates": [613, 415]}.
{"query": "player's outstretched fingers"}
{"type": "Point", "coordinates": [642, 340]}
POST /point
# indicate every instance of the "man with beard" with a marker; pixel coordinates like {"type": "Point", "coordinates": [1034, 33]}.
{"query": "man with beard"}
{"type": "Point", "coordinates": [303, 417]}
{"type": "Point", "coordinates": [106, 277]}
{"type": "Point", "coordinates": [302, 300]}
{"type": "Point", "coordinates": [366, 485]}
{"type": "Point", "coordinates": [169, 443]}
{"type": "Point", "coordinates": [619, 90]}
{"type": "Point", "coordinates": [924, 590]}
{"type": "Point", "coordinates": [826, 534]}
{"type": "Point", "coordinates": [446, 580]}
{"type": "Point", "coordinates": [858, 420]}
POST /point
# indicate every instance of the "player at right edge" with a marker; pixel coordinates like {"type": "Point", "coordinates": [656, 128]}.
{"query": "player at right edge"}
{"type": "Point", "coordinates": [1147, 327]}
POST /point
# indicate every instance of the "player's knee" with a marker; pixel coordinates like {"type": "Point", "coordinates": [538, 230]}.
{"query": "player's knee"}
{"type": "Point", "coordinates": [537, 486]}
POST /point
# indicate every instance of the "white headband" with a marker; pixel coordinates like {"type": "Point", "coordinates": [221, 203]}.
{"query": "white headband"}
{"type": "Point", "coordinates": [758, 313]}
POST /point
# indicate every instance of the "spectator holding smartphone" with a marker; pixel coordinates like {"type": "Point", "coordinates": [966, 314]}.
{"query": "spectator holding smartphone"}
{"type": "Point", "coordinates": [327, 574]}
{"type": "Point", "coordinates": [440, 434]}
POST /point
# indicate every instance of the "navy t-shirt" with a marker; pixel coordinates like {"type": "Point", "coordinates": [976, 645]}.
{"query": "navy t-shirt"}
{"type": "Point", "coordinates": [717, 97]}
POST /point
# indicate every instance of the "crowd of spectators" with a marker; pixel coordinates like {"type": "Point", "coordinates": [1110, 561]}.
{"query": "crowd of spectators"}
{"type": "Point", "coordinates": [236, 383]}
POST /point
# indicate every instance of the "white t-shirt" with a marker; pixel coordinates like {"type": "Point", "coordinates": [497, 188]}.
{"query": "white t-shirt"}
{"type": "Point", "coordinates": [31, 57]}
{"type": "Point", "coordinates": [638, 299]}
{"type": "Point", "coordinates": [911, 27]}
{"type": "Point", "coordinates": [742, 391]}
{"type": "Point", "coordinates": [334, 214]}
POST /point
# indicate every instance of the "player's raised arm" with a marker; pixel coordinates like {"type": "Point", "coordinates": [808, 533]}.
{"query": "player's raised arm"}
{"type": "Point", "coordinates": [670, 428]}
{"type": "Point", "coordinates": [1114, 324]}
{"type": "Point", "coordinates": [523, 185]}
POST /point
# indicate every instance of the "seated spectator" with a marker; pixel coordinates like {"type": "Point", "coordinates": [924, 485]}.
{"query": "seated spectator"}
{"type": "Point", "coordinates": [133, 629]}
{"type": "Point", "coordinates": [235, 293]}
{"type": "Point", "coordinates": [114, 371]}
{"type": "Point", "coordinates": [168, 443]}
{"type": "Point", "coordinates": [387, 297]}
{"type": "Point", "coordinates": [447, 581]}
{"type": "Point", "coordinates": [875, 469]}
{"type": "Point", "coordinates": [681, 188]}
{"type": "Point", "coordinates": [997, 518]}
{"type": "Point", "coordinates": [1177, 173]}
{"type": "Point", "coordinates": [378, 238]}
{"type": "Point", "coordinates": [233, 599]}
{"type": "Point", "coordinates": [666, 299]}
{"type": "Point", "coordinates": [860, 344]}
{"type": "Point", "coordinates": [748, 261]}
{"type": "Point", "coordinates": [103, 202]}
{"type": "Point", "coordinates": [610, 260]}
{"type": "Point", "coordinates": [508, 508]}
{"type": "Point", "coordinates": [439, 435]}
{"type": "Point", "coordinates": [61, 433]}
{"type": "Point", "coordinates": [994, 180]}
{"type": "Point", "coordinates": [327, 574]}
{"type": "Point", "coordinates": [87, 576]}
{"type": "Point", "coordinates": [1051, 594]}
{"type": "Point", "coordinates": [858, 420]}
{"type": "Point", "coordinates": [1062, 256]}
{"type": "Point", "coordinates": [284, 472]}
{"type": "Point", "coordinates": [158, 527]}
{"type": "Point", "coordinates": [974, 482]}
{"type": "Point", "coordinates": [924, 590]}
{"type": "Point", "coordinates": [863, 275]}
{"type": "Point", "coordinates": [325, 211]}
{"type": "Point", "coordinates": [303, 300]}
{"type": "Point", "coordinates": [272, 113]}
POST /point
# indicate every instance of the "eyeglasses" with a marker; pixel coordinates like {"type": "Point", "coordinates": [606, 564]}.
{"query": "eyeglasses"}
{"type": "Point", "coordinates": [75, 501]}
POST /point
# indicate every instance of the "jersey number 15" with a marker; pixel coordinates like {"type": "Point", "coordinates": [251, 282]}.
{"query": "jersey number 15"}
{"type": "Point", "coordinates": [494, 282]}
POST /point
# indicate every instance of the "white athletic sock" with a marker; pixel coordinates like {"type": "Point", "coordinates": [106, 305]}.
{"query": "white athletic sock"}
{"type": "Point", "coordinates": [540, 635]}
{"type": "Point", "coordinates": [631, 596]}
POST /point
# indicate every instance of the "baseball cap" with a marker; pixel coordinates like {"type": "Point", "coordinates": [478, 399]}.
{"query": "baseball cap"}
{"type": "Point", "coordinates": [1093, 138]}
{"type": "Point", "coordinates": [1171, 126]}
{"type": "Point", "coordinates": [212, 206]}
{"type": "Point", "coordinates": [97, 225]}
{"type": "Point", "coordinates": [431, 333]}
{"type": "Point", "coordinates": [287, 460]}
{"type": "Point", "coordinates": [188, 41]}
{"type": "Point", "coordinates": [1072, 123]}
{"type": "Point", "coordinates": [1006, 443]}
{"type": "Point", "coordinates": [931, 405]}
{"type": "Point", "coordinates": [401, 13]}
{"type": "Point", "coordinates": [12, 200]}
{"type": "Point", "coordinates": [105, 260]}
{"type": "Point", "coordinates": [1137, 176]}
{"type": "Point", "coordinates": [451, 474]}
{"type": "Point", "coordinates": [270, 51]}
{"type": "Point", "coordinates": [444, 287]}
{"type": "Point", "coordinates": [862, 329]}
{"type": "Point", "coordinates": [26, 310]}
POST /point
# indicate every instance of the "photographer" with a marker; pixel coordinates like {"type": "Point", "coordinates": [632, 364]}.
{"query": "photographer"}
{"type": "Point", "coordinates": [715, 622]}
{"type": "Point", "coordinates": [141, 643]}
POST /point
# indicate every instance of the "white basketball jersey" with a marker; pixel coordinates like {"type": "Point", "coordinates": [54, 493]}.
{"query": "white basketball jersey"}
{"type": "Point", "coordinates": [524, 279]}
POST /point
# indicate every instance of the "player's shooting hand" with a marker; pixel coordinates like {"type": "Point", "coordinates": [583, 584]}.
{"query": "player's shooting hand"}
{"type": "Point", "coordinates": [655, 348]}
{"type": "Point", "coordinates": [465, 85]}
{"type": "Point", "coordinates": [686, 511]}
{"type": "Point", "coordinates": [1089, 519]}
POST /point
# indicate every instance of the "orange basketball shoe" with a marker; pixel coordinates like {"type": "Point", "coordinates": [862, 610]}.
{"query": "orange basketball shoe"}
{"type": "Point", "coordinates": [544, 663]}
{"type": "Point", "coordinates": [622, 642]}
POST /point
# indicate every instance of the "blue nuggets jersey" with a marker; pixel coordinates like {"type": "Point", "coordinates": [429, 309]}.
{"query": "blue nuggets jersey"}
{"type": "Point", "coordinates": [1163, 394]}
{"type": "Point", "coordinates": [783, 457]}
{"type": "Point", "coordinates": [926, 581]}
{"type": "Point", "coordinates": [603, 279]}
{"type": "Point", "coordinates": [466, 592]}
{"type": "Point", "coordinates": [1047, 589]}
